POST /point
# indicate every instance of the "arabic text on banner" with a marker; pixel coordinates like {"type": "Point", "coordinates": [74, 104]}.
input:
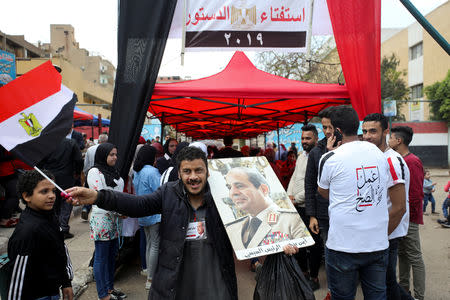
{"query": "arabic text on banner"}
{"type": "Point", "coordinates": [251, 24]}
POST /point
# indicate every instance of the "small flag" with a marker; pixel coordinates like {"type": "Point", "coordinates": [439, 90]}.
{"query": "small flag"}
{"type": "Point", "coordinates": [36, 113]}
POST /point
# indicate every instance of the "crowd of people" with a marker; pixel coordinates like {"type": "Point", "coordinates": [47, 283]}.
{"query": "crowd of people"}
{"type": "Point", "coordinates": [362, 198]}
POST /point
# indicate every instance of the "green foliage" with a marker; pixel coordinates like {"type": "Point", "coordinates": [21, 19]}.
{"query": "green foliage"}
{"type": "Point", "coordinates": [393, 86]}
{"type": "Point", "coordinates": [440, 93]}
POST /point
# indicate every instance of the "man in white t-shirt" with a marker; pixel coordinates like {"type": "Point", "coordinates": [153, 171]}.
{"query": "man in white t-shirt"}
{"type": "Point", "coordinates": [375, 130]}
{"type": "Point", "coordinates": [354, 177]}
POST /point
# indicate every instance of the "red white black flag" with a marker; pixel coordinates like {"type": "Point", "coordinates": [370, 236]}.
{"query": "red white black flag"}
{"type": "Point", "coordinates": [36, 113]}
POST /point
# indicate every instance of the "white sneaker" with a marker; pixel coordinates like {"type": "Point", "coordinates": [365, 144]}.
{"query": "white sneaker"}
{"type": "Point", "coordinates": [148, 285]}
{"type": "Point", "coordinates": [144, 272]}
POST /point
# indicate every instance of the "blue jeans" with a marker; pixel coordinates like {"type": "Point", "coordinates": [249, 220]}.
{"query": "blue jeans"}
{"type": "Point", "coordinates": [445, 207]}
{"type": "Point", "coordinates": [104, 265]}
{"type": "Point", "coordinates": [142, 247]}
{"type": "Point", "coordinates": [343, 270]}
{"type": "Point", "coordinates": [55, 297]}
{"type": "Point", "coordinates": [426, 198]}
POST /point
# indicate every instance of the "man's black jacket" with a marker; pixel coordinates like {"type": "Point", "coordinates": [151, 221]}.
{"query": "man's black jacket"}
{"type": "Point", "coordinates": [315, 205]}
{"type": "Point", "coordinates": [170, 200]}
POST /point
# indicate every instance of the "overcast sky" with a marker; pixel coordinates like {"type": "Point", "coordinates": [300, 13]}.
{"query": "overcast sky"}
{"type": "Point", "coordinates": [95, 23]}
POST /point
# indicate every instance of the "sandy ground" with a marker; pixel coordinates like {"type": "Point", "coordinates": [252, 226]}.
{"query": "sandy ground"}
{"type": "Point", "coordinates": [435, 248]}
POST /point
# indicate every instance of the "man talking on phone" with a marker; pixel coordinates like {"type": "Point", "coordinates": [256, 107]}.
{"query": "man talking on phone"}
{"type": "Point", "coordinates": [316, 207]}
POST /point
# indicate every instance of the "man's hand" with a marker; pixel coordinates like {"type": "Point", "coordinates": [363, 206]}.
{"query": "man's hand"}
{"type": "Point", "coordinates": [330, 143]}
{"type": "Point", "coordinates": [67, 293]}
{"type": "Point", "coordinates": [81, 196]}
{"type": "Point", "coordinates": [292, 198]}
{"type": "Point", "coordinates": [313, 225]}
{"type": "Point", "coordinates": [290, 249]}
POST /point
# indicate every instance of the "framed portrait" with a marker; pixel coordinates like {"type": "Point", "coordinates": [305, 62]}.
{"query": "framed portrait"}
{"type": "Point", "coordinates": [257, 213]}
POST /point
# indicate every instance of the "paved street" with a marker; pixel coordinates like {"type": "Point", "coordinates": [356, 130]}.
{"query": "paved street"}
{"type": "Point", "coordinates": [435, 247]}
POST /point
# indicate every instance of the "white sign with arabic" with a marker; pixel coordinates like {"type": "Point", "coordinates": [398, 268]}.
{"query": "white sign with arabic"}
{"type": "Point", "coordinates": [247, 24]}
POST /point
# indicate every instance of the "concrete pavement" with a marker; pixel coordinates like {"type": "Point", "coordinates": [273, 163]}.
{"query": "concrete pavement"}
{"type": "Point", "coordinates": [435, 247]}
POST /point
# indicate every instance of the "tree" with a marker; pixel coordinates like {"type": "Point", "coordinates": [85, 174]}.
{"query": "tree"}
{"type": "Point", "coordinates": [440, 93]}
{"type": "Point", "coordinates": [393, 86]}
{"type": "Point", "coordinates": [322, 66]}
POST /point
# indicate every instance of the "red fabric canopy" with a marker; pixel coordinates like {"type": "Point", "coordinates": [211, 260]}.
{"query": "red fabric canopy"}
{"type": "Point", "coordinates": [242, 101]}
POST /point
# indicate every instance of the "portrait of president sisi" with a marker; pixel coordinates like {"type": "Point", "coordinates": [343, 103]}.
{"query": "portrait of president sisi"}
{"type": "Point", "coordinates": [253, 205]}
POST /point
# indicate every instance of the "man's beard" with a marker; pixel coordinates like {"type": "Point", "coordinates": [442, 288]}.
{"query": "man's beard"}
{"type": "Point", "coordinates": [194, 182]}
{"type": "Point", "coordinates": [307, 147]}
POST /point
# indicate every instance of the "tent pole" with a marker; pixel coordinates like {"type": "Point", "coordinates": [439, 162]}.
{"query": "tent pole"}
{"type": "Point", "coordinates": [92, 129]}
{"type": "Point", "coordinates": [162, 127]}
{"type": "Point", "coordinates": [278, 135]}
{"type": "Point", "coordinates": [99, 124]}
{"type": "Point", "coordinates": [265, 140]}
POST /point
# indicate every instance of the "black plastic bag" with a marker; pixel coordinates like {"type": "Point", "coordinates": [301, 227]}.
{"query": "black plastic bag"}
{"type": "Point", "coordinates": [282, 279]}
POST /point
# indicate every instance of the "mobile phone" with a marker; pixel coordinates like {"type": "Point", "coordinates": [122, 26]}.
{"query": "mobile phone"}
{"type": "Point", "coordinates": [338, 136]}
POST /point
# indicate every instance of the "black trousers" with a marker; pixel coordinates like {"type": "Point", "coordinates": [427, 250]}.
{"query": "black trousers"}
{"type": "Point", "coordinates": [309, 258]}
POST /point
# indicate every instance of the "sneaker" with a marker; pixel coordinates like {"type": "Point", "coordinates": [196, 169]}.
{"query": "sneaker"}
{"type": "Point", "coordinates": [446, 225]}
{"type": "Point", "coordinates": [440, 221]}
{"type": "Point", "coordinates": [144, 272]}
{"type": "Point", "coordinates": [148, 285]}
{"type": "Point", "coordinates": [118, 293]}
{"type": "Point", "coordinates": [434, 213]}
{"type": "Point", "coordinates": [67, 235]}
{"type": "Point", "coordinates": [84, 214]}
{"type": "Point", "coordinates": [314, 284]}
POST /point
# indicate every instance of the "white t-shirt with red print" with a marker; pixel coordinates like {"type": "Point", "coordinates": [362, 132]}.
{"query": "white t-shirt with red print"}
{"type": "Point", "coordinates": [399, 173]}
{"type": "Point", "coordinates": [357, 177]}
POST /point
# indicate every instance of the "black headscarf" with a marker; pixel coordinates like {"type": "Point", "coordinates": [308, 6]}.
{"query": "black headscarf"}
{"type": "Point", "coordinates": [110, 173]}
{"type": "Point", "coordinates": [145, 156]}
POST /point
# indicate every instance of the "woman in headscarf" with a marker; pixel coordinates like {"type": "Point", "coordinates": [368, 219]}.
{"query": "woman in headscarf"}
{"type": "Point", "coordinates": [105, 225]}
{"type": "Point", "coordinates": [165, 162]}
{"type": "Point", "coordinates": [171, 174]}
{"type": "Point", "coordinates": [146, 181]}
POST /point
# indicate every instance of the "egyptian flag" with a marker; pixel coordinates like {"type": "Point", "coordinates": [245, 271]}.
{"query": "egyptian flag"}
{"type": "Point", "coordinates": [36, 113]}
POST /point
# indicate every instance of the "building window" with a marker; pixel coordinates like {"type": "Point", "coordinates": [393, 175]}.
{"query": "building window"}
{"type": "Point", "coordinates": [417, 91]}
{"type": "Point", "coordinates": [103, 79]}
{"type": "Point", "coordinates": [415, 51]}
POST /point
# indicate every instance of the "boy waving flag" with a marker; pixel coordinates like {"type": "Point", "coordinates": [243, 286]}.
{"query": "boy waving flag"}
{"type": "Point", "coordinates": [36, 112]}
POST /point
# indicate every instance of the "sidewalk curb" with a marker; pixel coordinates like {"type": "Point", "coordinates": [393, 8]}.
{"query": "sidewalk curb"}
{"type": "Point", "coordinates": [81, 278]}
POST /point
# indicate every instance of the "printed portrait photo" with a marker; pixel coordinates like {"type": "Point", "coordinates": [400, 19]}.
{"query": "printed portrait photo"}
{"type": "Point", "coordinates": [258, 215]}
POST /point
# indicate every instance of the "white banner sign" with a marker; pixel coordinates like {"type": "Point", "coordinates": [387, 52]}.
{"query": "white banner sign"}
{"type": "Point", "coordinates": [245, 25]}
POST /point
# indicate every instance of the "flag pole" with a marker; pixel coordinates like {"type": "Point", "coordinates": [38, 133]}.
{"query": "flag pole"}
{"type": "Point", "coordinates": [51, 181]}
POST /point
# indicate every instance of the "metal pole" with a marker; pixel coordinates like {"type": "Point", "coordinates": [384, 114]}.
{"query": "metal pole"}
{"type": "Point", "coordinates": [183, 34]}
{"type": "Point", "coordinates": [162, 126]}
{"type": "Point", "coordinates": [426, 25]}
{"type": "Point", "coordinates": [99, 124]}
{"type": "Point", "coordinates": [265, 141]}
{"type": "Point", "coordinates": [278, 136]}
{"type": "Point", "coordinates": [308, 38]}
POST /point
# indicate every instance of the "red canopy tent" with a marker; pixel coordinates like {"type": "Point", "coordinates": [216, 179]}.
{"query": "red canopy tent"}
{"type": "Point", "coordinates": [242, 101]}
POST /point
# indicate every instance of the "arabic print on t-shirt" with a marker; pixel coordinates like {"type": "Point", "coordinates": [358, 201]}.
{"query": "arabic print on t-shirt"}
{"type": "Point", "coordinates": [368, 187]}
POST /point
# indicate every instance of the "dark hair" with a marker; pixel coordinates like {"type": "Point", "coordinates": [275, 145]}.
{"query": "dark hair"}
{"type": "Point", "coordinates": [166, 145]}
{"type": "Point", "coordinates": [310, 127]}
{"type": "Point", "coordinates": [404, 132]}
{"type": "Point", "coordinates": [228, 140]}
{"type": "Point", "coordinates": [28, 181]}
{"type": "Point", "coordinates": [253, 176]}
{"type": "Point", "coordinates": [377, 117]}
{"type": "Point", "coordinates": [346, 119]}
{"type": "Point", "coordinates": [190, 154]}
{"type": "Point", "coordinates": [145, 156]}
{"type": "Point", "coordinates": [325, 113]}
